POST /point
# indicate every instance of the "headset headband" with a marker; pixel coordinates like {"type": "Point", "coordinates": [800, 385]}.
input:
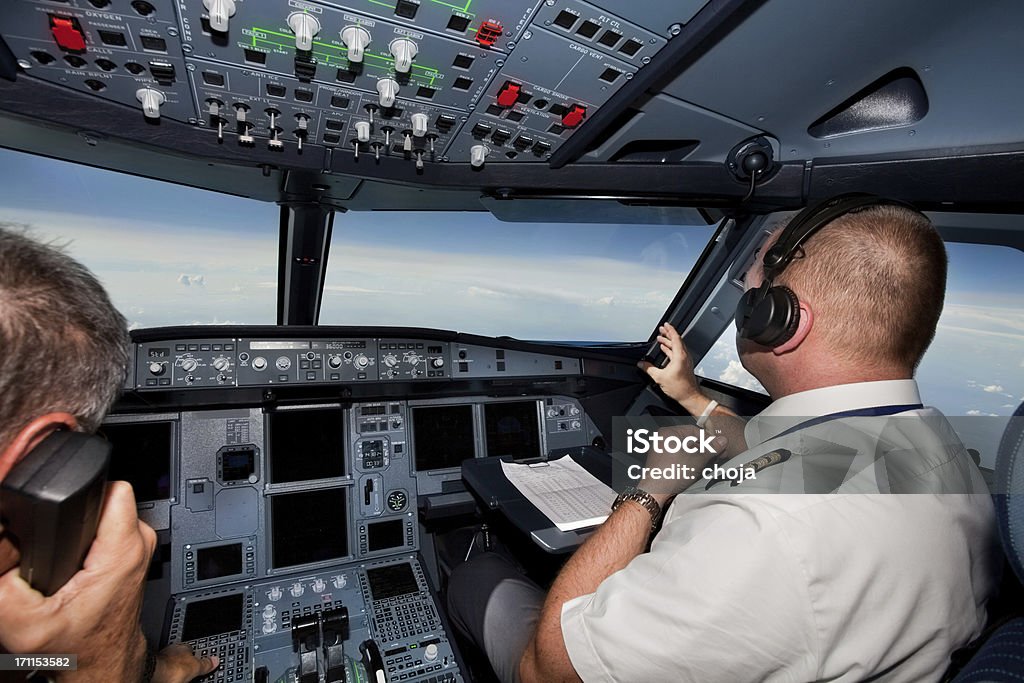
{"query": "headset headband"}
{"type": "Point", "coordinates": [810, 221]}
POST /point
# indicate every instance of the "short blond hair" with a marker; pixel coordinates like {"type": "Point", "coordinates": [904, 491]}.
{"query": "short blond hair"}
{"type": "Point", "coordinates": [876, 281]}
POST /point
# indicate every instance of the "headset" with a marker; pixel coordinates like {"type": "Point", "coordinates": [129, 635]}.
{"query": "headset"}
{"type": "Point", "coordinates": [770, 314]}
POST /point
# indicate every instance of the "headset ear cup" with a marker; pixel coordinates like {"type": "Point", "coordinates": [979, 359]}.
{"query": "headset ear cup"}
{"type": "Point", "coordinates": [786, 316]}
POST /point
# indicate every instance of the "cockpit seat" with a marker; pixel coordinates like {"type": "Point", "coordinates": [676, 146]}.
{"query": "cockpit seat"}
{"type": "Point", "coordinates": [999, 654]}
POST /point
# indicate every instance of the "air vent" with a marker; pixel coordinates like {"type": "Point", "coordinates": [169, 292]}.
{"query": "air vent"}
{"type": "Point", "coordinates": [894, 100]}
{"type": "Point", "coordinates": [655, 151]}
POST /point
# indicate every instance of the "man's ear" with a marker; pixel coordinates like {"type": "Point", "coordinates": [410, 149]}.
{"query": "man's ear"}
{"type": "Point", "coordinates": [803, 328]}
{"type": "Point", "coordinates": [31, 436]}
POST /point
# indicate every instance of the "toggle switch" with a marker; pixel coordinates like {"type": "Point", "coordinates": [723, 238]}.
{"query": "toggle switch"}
{"type": "Point", "coordinates": [356, 38]}
{"type": "Point", "coordinates": [404, 51]}
{"type": "Point", "coordinates": [305, 26]}
{"type": "Point", "coordinates": [220, 11]}
{"type": "Point", "coordinates": [151, 101]}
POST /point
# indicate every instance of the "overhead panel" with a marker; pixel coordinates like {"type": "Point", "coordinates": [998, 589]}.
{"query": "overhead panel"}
{"type": "Point", "coordinates": [420, 81]}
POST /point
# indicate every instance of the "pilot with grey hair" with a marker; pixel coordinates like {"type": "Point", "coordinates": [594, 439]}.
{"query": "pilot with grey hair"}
{"type": "Point", "coordinates": [63, 356]}
{"type": "Point", "coordinates": [818, 586]}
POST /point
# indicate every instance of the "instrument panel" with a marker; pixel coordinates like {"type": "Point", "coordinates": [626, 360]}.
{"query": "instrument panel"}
{"type": "Point", "coordinates": [292, 533]}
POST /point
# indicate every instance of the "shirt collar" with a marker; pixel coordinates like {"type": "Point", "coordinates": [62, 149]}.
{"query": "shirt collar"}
{"type": "Point", "coordinates": [791, 410]}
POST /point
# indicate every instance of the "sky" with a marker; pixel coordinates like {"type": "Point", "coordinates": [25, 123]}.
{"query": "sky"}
{"type": "Point", "coordinates": [172, 255]}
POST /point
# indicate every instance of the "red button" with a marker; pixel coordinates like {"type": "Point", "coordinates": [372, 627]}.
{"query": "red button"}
{"type": "Point", "coordinates": [574, 116]}
{"type": "Point", "coordinates": [67, 34]}
{"type": "Point", "coordinates": [509, 94]}
{"type": "Point", "coordinates": [488, 33]}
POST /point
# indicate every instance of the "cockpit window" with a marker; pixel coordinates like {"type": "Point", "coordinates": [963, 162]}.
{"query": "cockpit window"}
{"type": "Point", "coordinates": [168, 255]}
{"type": "Point", "coordinates": [470, 272]}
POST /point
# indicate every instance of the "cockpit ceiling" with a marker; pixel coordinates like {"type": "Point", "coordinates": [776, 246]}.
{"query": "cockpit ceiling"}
{"type": "Point", "coordinates": [874, 95]}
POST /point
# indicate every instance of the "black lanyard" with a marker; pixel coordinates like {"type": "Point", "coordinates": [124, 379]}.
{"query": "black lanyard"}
{"type": "Point", "coordinates": [875, 411]}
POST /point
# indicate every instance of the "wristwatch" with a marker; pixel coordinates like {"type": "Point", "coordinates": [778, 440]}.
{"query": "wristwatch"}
{"type": "Point", "coordinates": [640, 496]}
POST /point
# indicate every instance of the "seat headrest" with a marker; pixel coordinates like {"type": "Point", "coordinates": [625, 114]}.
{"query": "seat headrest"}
{"type": "Point", "coordinates": [1009, 497]}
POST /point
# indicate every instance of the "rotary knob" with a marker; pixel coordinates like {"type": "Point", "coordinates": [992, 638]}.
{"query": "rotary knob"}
{"type": "Point", "coordinates": [318, 585]}
{"type": "Point", "coordinates": [151, 101]}
{"type": "Point", "coordinates": [361, 361]}
{"type": "Point", "coordinates": [189, 364]}
{"type": "Point", "coordinates": [305, 26]}
{"type": "Point", "coordinates": [157, 368]}
{"type": "Point", "coordinates": [283, 363]}
{"type": "Point", "coordinates": [363, 131]}
{"type": "Point", "coordinates": [220, 11]}
{"type": "Point", "coordinates": [269, 612]}
{"type": "Point", "coordinates": [356, 38]}
{"type": "Point", "coordinates": [275, 594]}
{"type": "Point", "coordinates": [297, 590]}
{"type": "Point", "coordinates": [334, 362]}
{"type": "Point", "coordinates": [339, 581]}
{"type": "Point", "coordinates": [221, 364]}
{"type": "Point", "coordinates": [387, 89]}
{"type": "Point", "coordinates": [419, 124]}
{"type": "Point", "coordinates": [437, 362]}
{"type": "Point", "coordinates": [430, 653]}
{"type": "Point", "coordinates": [259, 363]}
{"type": "Point", "coordinates": [404, 51]}
{"type": "Point", "coordinates": [391, 360]}
{"type": "Point", "coordinates": [269, 627]}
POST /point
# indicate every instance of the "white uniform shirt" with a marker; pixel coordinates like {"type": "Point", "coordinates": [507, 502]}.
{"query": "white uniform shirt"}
{"type": "Point", "coordinates": [742, 587]}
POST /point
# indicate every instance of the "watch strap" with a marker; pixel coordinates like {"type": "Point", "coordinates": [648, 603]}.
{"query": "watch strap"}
{"type": "Point", "coordinates": [643, 498]}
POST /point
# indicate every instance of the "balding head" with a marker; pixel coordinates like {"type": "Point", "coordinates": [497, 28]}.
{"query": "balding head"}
{"type": "Point", "coordinates": [877, 280]}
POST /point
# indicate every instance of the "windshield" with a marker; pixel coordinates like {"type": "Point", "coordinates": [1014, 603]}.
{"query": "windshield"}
{"type": "Point", "coordinates": [470, 272]}
{"type": "Point", "coordinates": [167, 254]}
{"type": "Point", "coordinates": [173, 255]}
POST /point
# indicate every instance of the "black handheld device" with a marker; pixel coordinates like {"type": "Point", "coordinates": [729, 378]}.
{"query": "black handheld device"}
{"type": "Point", "coordinates": [50, 503]}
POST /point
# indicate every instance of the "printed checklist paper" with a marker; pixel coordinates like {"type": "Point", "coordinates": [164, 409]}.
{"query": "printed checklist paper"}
{"type": "Point", "coordinates": [571, 497]}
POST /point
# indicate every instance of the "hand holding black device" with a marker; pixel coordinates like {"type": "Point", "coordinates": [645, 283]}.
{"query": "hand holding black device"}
{"type": "Point", "coordinates": [50, 503]}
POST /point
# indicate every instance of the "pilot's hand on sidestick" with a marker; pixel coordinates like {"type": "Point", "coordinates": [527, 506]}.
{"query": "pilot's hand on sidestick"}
{"type": "Point", "coordinates": [95, 615]}
{"type": "Point", "coordinates": [177, 664]}
{"type": "Point", "coordinates": [676, 379]}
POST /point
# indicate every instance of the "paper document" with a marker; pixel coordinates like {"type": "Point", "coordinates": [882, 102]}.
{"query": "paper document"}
{"type": "Point", "coordinates": [571, 497]}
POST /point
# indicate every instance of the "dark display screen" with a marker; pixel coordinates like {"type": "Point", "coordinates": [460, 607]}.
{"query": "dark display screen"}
{"type": "Point", "coordinates": [444, 436]}
{"type": "Point", "coordinates": [141, 454]}
{"type": "Point", "coordinates": [393, 580]}
{"type": "Point", "coordinates": [218, 561]}
{"type": "Point", "coordinates": [310, 526]}
{"type": "Point", "coordinates": [512, 429]}
{"type": "Point", "coordinates": [306, 444]}
{"type": "Point", "coordinates": [384, 535]}
{"type": "Point", "coordinates": [238, 465]}
{"type": "Point", "coordinates": [206, 618]}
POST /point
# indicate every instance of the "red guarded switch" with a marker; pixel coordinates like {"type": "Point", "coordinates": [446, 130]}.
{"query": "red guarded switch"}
{"type": "Point", "coordinates": [488, 33]}
{"type": "Point", "coordinates": [574, 116]}
{"type": "Point", "coordinates": [509, 94]}
{"type": "Point", "coordinates": [68, 34]}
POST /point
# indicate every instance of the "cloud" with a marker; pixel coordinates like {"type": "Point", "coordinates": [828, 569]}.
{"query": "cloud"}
{"type": "Point", "coordinates": [974, 412]}
{"type": "Point", "coordinates": [994, 389]}
{"type": "Point", "coordinates": [189, 280]}
{"type": "Point", "coordinates": [737, 375]}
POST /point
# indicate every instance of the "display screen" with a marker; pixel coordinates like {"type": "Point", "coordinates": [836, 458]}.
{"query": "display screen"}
{"type": "Point", "coordinates": [444, 436]}
{"type": "Point", "coordinates": [306, 444]}
{"type": "Point", "coordinates": [238, 465]}
{"type": "Point", "coordinates": [307, 527]}
{"type": "Point", "coordinates": [141, 454]}
{"type": "Point", "coordinates": [384, 535]}
{"type": "Point", "coordinates": [218, 561]}
{"type": "Point", "coordinates": [512, 429]}
{"type": "Point", "coordinates": [391, 581]}
{"type": "Point", "coordinates": [206, 618]}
